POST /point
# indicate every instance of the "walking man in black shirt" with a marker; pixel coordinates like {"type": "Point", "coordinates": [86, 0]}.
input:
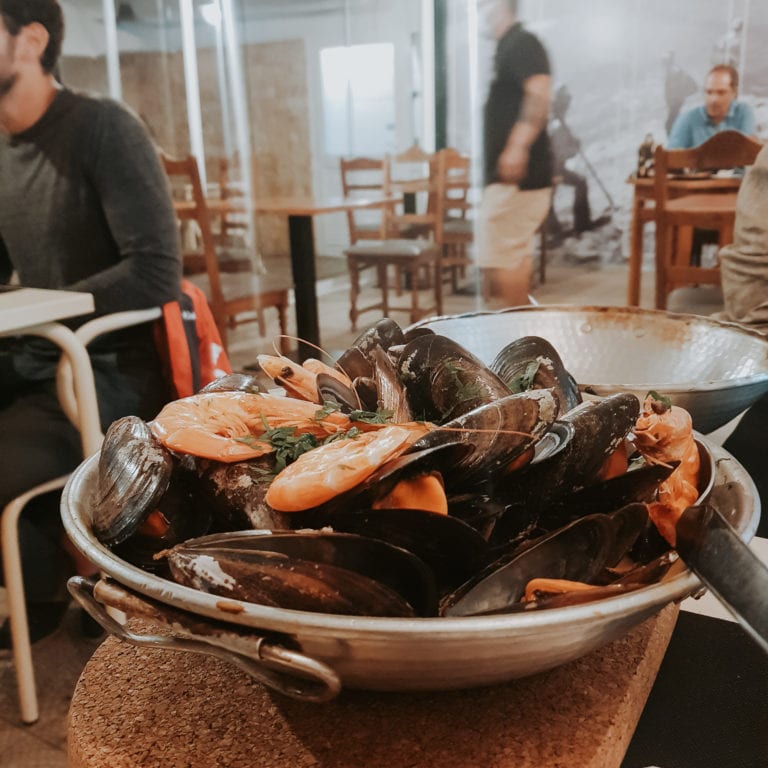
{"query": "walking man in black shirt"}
{"type": "Point", "coordinates": [518, 166]}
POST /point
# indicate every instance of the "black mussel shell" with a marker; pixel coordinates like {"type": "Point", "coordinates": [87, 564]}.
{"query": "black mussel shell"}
{"type": "Point", "coordinates": [235, 494]}
{"type": "Point", "coordinates": [628, 522]}
{"type": "Point", "coordinates": [444, 380]}
{"type": "Point", "coordinates": [367, 393]}
{"type": "Point", "coordinates": [332, 390]}
{"type": "Point", "coordinates": [308, 570]}
{"type": "Point", "coordinates": [450, 547]}
{"type": "Point", "coordinates": [179, 515]}
{"type": "Point", "coordinates": [391, 395]}
{"type": "Point", "coordinates": [477, 509]}
{"type": "Point", "coordinates": [531, 362]}
{"type": "Point", "coordinates": [497, 432]}
{"type": "Point", "coordinates": [577, 552]}
{"type": "Point", "coordinates": [356, 361]}
{"type": "Point", "coordinates": [599, 428]}
{"type": "Point", "coordinates": [134, 473]}
{"type": "Point", "coordinates": [554, 440]}
{"type": "Point", "coordinates": [638, 577]}
{"type": "Point", "coordinates": [241, 382]}
{"type": "Point", "coordinates": [412, 333]}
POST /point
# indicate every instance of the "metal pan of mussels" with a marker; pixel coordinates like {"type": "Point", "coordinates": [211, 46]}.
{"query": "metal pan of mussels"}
{"type": "Point", "coordinates": [361, 589]}
{"type": "Point", "coordinates": [310, 655]}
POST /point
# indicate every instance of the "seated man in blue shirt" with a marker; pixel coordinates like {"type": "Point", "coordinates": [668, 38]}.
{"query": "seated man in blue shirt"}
{"type": "Point", "coordinates": [720, 112]}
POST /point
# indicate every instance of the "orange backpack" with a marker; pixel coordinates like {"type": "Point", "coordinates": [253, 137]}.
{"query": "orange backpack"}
{"type": "Point", "coordinates": [189, 342]}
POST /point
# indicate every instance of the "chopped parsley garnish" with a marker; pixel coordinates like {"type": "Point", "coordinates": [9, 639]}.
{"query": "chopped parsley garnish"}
{"type": "Point", "coordinates": [328, 408]}
{"type": "Point", "coordinates": [381, 416]}
{"type": "Point", "coordinates": [525, 381]}
{"type": "Point", "coordinates": [661, 403]}
{"type": "Point", "coordinates": [464, 391]}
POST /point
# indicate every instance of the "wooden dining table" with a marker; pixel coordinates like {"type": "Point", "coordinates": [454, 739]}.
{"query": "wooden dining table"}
{"type": "Point", "coordinates": [300, 211]}
{"type": "Point", "coordinates": [725, 187]}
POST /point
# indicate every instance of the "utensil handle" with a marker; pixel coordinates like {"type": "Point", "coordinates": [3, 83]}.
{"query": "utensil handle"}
{"type": "Point", "coordinates": [282, 669]}
{"type": "Point", "coordinates": [717, 555]}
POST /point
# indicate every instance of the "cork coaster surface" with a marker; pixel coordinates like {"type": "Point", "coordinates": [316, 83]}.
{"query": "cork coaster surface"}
{"type": "Point", "coordinates": [142, 707]}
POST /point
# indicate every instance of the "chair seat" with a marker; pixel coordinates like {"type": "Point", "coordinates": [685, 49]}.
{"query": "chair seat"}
{"type": "Point", "coordinates": [229, 261]}
{"type": "Point", "coordinates": [237, 286]}
{"type": "Point", "coordinates": [458, 227]}
{"type": "Point", "coordinates": [391, 248]}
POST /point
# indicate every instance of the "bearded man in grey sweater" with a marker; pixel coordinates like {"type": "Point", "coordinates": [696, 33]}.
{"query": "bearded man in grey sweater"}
{"type": "Point", "coordinates": [84, 206]}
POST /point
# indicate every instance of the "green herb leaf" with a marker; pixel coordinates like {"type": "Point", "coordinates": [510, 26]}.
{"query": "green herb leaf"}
{"type": "Point", "coordinates": [661, 403]}
{"type": "Point", "coordinates": [525, 381]}
{"type": "Point", "coordinates": [381, 416]}
{"type": "Point", "coordinates": [328, 408]}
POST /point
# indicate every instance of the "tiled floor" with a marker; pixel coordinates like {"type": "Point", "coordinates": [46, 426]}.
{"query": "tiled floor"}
{"type": "Point", "coordinates": [60, 658]}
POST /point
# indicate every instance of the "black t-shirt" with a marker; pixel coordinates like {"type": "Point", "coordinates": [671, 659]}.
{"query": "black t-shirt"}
{"type": "Point", "coordinates": [519, 55]}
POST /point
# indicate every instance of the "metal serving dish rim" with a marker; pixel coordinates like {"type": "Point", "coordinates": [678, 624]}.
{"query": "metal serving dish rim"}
{"type": "Point", "coordinates": [77, 490]}
{"type": "Point", "coordinates": [712, 385]}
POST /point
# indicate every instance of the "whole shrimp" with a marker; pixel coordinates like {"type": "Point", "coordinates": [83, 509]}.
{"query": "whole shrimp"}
{"type": "Point", "coordinates": [226, 426]}
{"type": "Point", "coordinates": [664, 434]}
{"type": "Point", "coordinates": [333, 468]}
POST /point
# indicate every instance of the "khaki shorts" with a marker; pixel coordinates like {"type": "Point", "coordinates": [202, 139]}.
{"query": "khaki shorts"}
{"type": "Point", "coordinates": [508, 220]}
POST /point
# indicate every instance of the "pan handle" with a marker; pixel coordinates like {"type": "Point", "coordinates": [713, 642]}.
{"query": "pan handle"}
{"type": "Point", "coordinates": [280, 668]}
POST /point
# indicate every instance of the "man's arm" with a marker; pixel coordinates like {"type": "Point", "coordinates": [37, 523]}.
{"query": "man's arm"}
{"type": "Point", "coordinates": [133, 191]}
{"type": "Point", "coordinates": [534, 112]}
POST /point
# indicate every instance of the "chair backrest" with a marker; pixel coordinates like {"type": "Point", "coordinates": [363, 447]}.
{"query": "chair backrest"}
{"type": "Point", "coordinates": [184, 171]}
{"type": "Point", "coordinates": [359, 176]}
{"type": "Point", "coordinates": [723, 151]}
{"type": "Point", "coordinates": [451, 172]}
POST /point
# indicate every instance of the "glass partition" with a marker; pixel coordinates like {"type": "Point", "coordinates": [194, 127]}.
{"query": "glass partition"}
{"type": "Point", "coordinates": [274, 92]}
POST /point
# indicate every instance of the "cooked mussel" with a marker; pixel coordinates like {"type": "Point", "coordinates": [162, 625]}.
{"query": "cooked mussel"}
{"type": "Point", "coordinates": [531, 362]}
{"type": "Point", "coordinates": [443, 380]}
{"type": "Point", "coordinates": [134, 473]}
{"type": "Point", "coordinates": [451, 548]}
{"type": "Point", "coordinates": [308, 571]}
{"type": "Point", "coordinates": [580, 552]}
{"type": "Point", "coordinates": [496, 432]}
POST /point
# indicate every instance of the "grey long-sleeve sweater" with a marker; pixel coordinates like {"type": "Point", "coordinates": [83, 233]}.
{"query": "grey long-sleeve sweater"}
{"type": "Point", "coordinates": [84, 205]}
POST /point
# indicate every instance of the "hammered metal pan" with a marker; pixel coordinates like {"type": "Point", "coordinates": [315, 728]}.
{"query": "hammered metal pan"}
{"type": "Point", "coordinates": [328, 651]}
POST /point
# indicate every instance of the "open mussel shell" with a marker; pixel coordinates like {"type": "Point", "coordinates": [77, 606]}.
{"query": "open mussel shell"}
{"type": "Point", "coordinates": [531, 362]}
{"type": "Point", "coordinates": [308, 570]}
{"type": "Point", "coordinates": [577, 552]}
{"type": "Point", "coordinates": [497, 432]}
{"type": "Point", "coordinates": [356, 361]}
{"type": "Point", "coordinates": [241, 382]}
{"type": "Point", "coordinates": [451, 548]}
{"type": "Point", "coordinates": [331, 390]}
{"type": "Point", "coordinates": [599, 428]}
{"type": "Point", "coordinates": [134, 473]}
{"type": "Point", "coordinates": [444, 380]}
{"type": "Point", "coordinates": [180, 514]}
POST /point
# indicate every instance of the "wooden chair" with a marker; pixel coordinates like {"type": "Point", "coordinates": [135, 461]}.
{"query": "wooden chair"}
{"type": "Point", "coordinates": [453, 231]}
{"type": "Point", "coordinates": [235, 299]}
{"type": "Point", "coordinates": [676, 215]}
{"type": "Point", "coordinates": [358, 176]}
{"type": "Point", "coordinates": [377, 245]}
{"type": "Point", "coordinates": [231, 225]}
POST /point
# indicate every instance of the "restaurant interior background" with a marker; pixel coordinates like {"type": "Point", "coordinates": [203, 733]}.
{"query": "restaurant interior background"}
{"type": "Point", "coordinates": [283, 88]}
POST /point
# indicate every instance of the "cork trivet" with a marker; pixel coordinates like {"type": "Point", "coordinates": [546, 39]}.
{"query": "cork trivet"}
{"type": "Point", "coordinates": [152, 708]}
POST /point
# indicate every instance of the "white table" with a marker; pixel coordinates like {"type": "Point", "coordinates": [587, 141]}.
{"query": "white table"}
{"type": "Point", "coordinates": [36, 312]}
